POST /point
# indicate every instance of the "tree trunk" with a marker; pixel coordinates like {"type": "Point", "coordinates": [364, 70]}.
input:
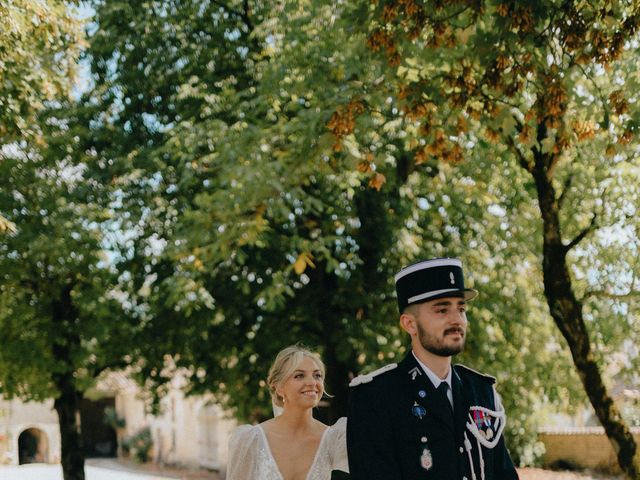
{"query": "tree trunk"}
{"type": "Point", "coordinates": [67, 405]}
{"type": "Point", "coordinates": [329, 314]}
{"type": "Point", "coordinates": [566, 311]}
{"type": "Point", "coordinates": [338, 376]}
{"type": "Point", "coordinates": [374, 239]}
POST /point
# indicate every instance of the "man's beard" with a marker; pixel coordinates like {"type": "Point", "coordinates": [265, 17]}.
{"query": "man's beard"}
{"type": "Point", "coordinates": [432, 345]}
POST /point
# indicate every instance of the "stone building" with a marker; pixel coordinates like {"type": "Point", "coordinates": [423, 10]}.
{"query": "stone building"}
{"type": "Point", "coordinates": [188, 431]}
{"type": "Point", "coordinates": [28, 432]}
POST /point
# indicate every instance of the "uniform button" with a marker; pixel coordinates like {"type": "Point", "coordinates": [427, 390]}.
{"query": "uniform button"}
{"type": "Point", "coordinates": [461, 450]}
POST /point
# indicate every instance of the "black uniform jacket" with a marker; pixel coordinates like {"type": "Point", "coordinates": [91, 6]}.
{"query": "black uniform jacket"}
{"type": "Point", "coordinates": [400, 428]}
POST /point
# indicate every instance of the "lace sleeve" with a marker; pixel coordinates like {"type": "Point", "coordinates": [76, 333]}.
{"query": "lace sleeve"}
{"type": "Point", "coordinates": [242, 453]}
{"type": "Point", "coordinates": [338, 445]}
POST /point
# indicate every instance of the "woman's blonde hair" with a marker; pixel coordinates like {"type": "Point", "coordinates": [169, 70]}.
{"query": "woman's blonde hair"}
{"type": "Point", "coordinates": [286, 362]}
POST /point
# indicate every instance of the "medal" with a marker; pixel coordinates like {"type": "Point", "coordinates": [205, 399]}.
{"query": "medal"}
{"type": "Point", "coordinates": [486, 425]}
{"type": "Point", "coordinates": [426, 460]}
{"type": "Point", "coordinates": [418, 411]}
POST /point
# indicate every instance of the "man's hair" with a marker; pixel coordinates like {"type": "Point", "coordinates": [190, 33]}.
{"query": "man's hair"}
{"type": "Point", "coordinates": [411, 309]}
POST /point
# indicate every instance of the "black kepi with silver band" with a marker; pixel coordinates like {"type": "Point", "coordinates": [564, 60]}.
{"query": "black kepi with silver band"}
{"type": "Point", "coordinates": [431, 279]}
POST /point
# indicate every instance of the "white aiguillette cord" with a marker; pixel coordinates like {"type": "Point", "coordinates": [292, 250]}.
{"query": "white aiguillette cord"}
{"type": "Point", "coordinates": [501, 420]}
{"type": "Point", "coordinates": [467, 446]}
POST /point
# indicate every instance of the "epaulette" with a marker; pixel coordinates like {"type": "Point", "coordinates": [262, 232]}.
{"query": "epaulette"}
{"type": "Point", "coordinates": [366, 378]}
{"type": "Point", "coordinates": [481, 375]}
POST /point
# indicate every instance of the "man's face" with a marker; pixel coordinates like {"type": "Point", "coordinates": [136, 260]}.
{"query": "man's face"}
{"type": "Point", "coordinates": [441, 325]}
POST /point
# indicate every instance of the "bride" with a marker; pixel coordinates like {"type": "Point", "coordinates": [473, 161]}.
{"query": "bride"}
{"type": "Point", "coordinates": [292, 445]}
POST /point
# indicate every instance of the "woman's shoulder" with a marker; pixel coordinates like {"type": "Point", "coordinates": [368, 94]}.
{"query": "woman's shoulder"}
{"type": "Point", "coordinates": [341, 424]}
{"type": "Point", "coordinates": [244, 448]}
{"type": "Point", "coordinates": [336, 445]}
{"type": "Point", "coordinates": [338, 429]}
{"type": "Point", "coordinates": [245, 432]}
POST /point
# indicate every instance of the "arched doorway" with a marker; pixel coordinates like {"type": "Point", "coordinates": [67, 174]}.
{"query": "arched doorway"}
{"type": "Point", "coordinates": [32, 446]}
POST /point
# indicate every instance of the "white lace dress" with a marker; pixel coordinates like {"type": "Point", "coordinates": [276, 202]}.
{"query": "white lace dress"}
{"type": "Point", "coordinates": [250, 457]}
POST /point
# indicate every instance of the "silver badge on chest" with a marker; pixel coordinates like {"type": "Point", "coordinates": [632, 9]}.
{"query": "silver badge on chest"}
{"type": "Point", "coordinates": [426, 459]}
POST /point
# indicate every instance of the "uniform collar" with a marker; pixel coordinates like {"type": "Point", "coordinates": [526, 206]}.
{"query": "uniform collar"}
{"type": "Point", "coordinates": [435, 380]}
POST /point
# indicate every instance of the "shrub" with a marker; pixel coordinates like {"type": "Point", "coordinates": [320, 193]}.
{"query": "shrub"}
{"type": "Point", "coordinates": [138, 445]}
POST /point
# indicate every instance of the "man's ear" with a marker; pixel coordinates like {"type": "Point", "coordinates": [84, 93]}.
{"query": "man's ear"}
{"type": "Point", "coordinates": [408, 323]}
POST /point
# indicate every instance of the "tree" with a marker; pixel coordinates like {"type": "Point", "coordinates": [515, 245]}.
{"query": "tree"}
{"type": "Point", "coordinates": [63, 320]}
{"type": "Point", "coordinates": [552, 84]}
{"type": "Point", "coordinates": [39, 44]}
{"type": "Point", "coordinates": [252, 228]}
{"type": "Point", "coordinates": [192, 149]}
{"type": "Point", "coordinates": [53, 280]}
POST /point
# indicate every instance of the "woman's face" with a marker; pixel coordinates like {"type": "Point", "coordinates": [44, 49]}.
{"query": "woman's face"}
{"type": "Point", "coordinates": [304, 388]}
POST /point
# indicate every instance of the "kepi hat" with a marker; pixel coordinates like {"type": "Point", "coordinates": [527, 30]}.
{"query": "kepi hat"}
{"type": "Point", "coordinates": [431, 279]}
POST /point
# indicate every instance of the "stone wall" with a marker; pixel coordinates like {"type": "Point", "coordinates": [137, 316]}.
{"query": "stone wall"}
{"type": "Point", "coordinates": [586, 447]}
{"type": "Point", "coordinates": [16, 417]}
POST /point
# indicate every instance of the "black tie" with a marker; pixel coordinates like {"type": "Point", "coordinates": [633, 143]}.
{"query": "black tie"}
{"type": "Point", "coordinates": [442, 390]}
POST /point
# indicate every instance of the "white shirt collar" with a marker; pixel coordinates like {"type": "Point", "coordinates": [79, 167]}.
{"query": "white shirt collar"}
{"type": "Point", "coordinates": [432, 376]}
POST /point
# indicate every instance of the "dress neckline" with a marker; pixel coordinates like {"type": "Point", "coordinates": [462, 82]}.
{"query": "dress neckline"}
{"type": "Point", "coordinates": [273, 459]}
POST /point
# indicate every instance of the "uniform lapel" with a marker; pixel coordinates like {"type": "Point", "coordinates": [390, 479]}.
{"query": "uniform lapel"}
{"type": "Point", "coordinates": [460, 405]}
{"type": "Point", "coordinates": [431, 400]}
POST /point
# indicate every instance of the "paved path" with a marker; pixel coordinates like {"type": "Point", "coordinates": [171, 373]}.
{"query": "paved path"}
{"type": "Point", "coordinates": [119, 472]}
{"type": "Point", "coordinates": [54, 472]}
{"type": "Point", "coordinates": [152, 469]}
{"type": "Point", "coordinates": [539, 474]}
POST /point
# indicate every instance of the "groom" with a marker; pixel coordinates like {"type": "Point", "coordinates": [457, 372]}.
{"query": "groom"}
{"type": "Point", "coordinates": [423, 418]}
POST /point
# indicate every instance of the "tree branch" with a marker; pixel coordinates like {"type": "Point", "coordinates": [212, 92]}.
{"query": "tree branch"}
{"type": "Point", "coordinates": [565, 188]}
{"type": "Point", "coordinates": [246, 16]}
{"type": "Point", "coordinates": [592, 226]}
{"type": "Point", "coordinates": [243, 14]}
{"type": "Point", "coordinates": [605, 103]}
{"type": "Point", "coordinates": [524, 163]}
{"type": "Point", "coordinates": [28, 284]}
{"type": "Point", "coordinates": [631, 295]}
{"type": "Point", "coordinates": [450, 16]}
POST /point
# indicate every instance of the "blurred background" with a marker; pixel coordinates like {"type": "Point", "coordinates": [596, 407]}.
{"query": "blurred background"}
{"type": "Point", "coordinates": [188, 187]}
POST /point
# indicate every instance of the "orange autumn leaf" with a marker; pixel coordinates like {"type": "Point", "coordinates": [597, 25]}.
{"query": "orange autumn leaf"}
{"type": "Point", "coordinates": [304, 260]}
{"type": "Point", "coordinates": [377, 181]}
{"type": "Point", "coordinates": [364, 167]}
